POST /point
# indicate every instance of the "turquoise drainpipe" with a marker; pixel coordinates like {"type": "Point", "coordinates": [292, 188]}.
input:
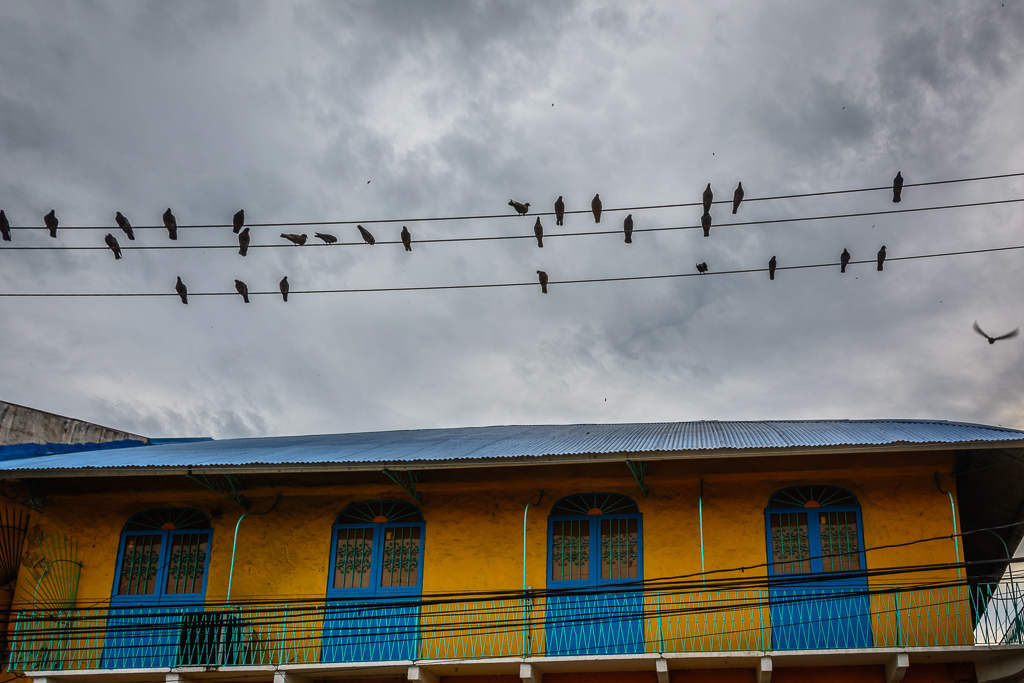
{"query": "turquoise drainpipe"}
{"type": "Point", "coordinates": [234, 544]}
{"type": "Point", "coordinates": [700, 512]}
{"type": "Point", "coordinates": [956, 534]}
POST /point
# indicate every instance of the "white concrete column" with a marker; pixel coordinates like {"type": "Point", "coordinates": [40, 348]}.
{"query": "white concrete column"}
{"type": "Point", "coordinates": [763, 673]}
{"type": "Point", "coordinates": [285, 677]}
{"type": "Point", "coordinates": [417, 674]}
{"type": "Point", "coordinates": [172, 677]}
{"type": "Point", "coordinates": [529, 674]}
{"type": "Point", "coordinates": [896, 667]}
{"type": "Point", "coordinates": [661, 666]}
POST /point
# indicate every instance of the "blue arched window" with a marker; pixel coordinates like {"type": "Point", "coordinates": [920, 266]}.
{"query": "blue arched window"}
{"type": "Point", "coordinates": [594, 539]}
{"type": "Point", "coordinates": [814, 529]}
{"type": "Point", "coordinates": [164, 556]}
{"type": "Point", "coordinates": [377, 550]}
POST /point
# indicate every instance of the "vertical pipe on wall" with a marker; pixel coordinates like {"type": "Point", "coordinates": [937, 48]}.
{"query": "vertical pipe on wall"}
{"type": "Point", "coordinates": [700, 512]}
{"type": "Point", "coordinates": [234, 543]}
{"type": "Point", "coordinates": [956, 535]}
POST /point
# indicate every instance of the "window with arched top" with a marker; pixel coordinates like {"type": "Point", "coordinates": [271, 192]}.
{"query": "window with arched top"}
{"type": "Point", "coordinates": [164, 555]}
{"type": "Point", "coordinates": [594, 539]}
{"type": "Point", "coordinates": [377, 549]}
{"type": "Point", "coordinates": [814, 529]}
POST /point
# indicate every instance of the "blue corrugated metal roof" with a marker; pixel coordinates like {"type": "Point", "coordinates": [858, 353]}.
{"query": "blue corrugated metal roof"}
{"type": "Point", "coordinates": [555, 441]}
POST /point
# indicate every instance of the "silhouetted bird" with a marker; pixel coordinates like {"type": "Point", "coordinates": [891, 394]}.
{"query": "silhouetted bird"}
{"type": "Point", "coordinates": [242, 289]}
{"type": "Point", "coordinates": [406, 238]}
{"type": "Point", "coordinates": [327, 237]}
{"type": "Point", "coordinates": [709, 197]}
{"type": "Point", "coordinates": [627, 227]}
{"type": "Point", "coordinates": [844, 260]}
{"type": "Point", "coordinates": [993, 340]}
{"type": "Point", "coordinates": [238, 221]}
{"type": "Point", "coordinates": [771, 268]}
{"type": "Point", "coordinates": [51, 222]}
{"type": "Point", "coordinates": [737, 197]}
{"type": "Point", "coordinates": [897, 187]}
{"type": "Point", "coordinates": [520, 208]}
{"type": "Point", "coordinates": [559, 210]}
{"type": "Point", "coordinates": [543, 281]}
{"type": "Point", "coordinates": [112, 244]}
{"type": "Point", "coordinates": [538, 231]}
{"type": "Point", "coordinates": [881, 257]}
{"type": "Point", "coordinates": [171, 223]}
{"type": "Point", "coordinates": [5, 227]}
{"type": "Point", "coordinates": [284, 287]}
{"type": "Point", "coordinates": [367, 237]}
{"type": "Point", "coordinates": [705, 222]}
{"type": "Point", "coordinates": [182, 291]}
{"type": "Point", "coordinates": [123, 223]}
{"type": "Point", "coordinates": [595, 206]}
{"type": "Point", "coordinates": [243, 242]}
{"type": "Point", "coordinates": [297, 240]}
{"type": "Point", "coordinates": [702, 267]}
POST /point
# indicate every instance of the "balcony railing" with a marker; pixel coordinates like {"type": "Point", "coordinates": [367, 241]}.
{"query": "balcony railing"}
{"type": "Point", "coordinates": [571, 624]}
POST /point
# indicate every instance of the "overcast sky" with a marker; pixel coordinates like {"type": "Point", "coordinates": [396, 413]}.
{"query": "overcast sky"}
{"type": "Point", "coordinates": [306, 111]}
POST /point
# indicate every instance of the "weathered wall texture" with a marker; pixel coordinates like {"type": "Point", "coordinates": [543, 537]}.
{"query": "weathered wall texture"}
{"type": "Point", "coordinates": [19, 424]}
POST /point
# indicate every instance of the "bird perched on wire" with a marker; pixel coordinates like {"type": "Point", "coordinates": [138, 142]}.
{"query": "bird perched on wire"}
{"type": "Point", "coordinates": [538, 231]}
{"type": "Point", "coordinates": [243, 242]}
{"type": "Point", "coordinates": [367, 237]}
{"type": "Point", "coordinates": [327, 237]}
{"type": "Point", "coordinates": [844, 260]}
{"type": "Point", "coordinates": [543, 277]}
{"type": "Point", "coordinates": [595, 206]}
{"type": "Point", "coordinates": [897, 188]}
{"type": "Point", "coordinates": [112, 244]}
{"type": "Point", "coordinates": [171, 223]}
{"type": "Point", "coordinates": [737, 197]}
{"type": "Point", "coordinates": [705, 222]}
{"type": "Point", "coordinates": [702, 267]}
{"type": "Point", "coordinates": [297, 240]}
{"type": "Point", "coordinates": [5, 227]}
{"type": "Point", "coordinates": [881, 257]}
{"type": "Point", "coordinates": [242, 289]}
{"type": "Point", "coordinates": [993, 340]}
{"type": "Point", "coordinates": [182, 290]}
{"type": "Point", "coordinates": [709, 197]}
{"type": "Point", "coordinates": [284, 287]}
{"type": "Point", "coordinates": [51, 222]}
{"type": "Point", "coordinates": [771, 268]}
{"type": "Point", "coordinates": [406, 238]}
{"type": "Point", "coordinates": [559, 210]}
{"type": "Point", "coordinates": [238, 220]}
{"type": "Point", "coordinates": [125, 226]}
{"type": "Point", "coordinates": [627, 227]}
{"type": "Point", "coordinates": [520, 207]}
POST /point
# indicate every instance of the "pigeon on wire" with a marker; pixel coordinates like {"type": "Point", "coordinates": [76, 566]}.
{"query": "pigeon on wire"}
{"type": "Point", "coordinates": [520, 207]}
{"type": "Point", "coordinates": [737, 197]}
{"type": "Point", "coordinates": [559, 210]}
{"type": "Point", "coordinates": [367, 237]}
{"type": "Point", "coordinates": [51, 222]}
{"type": "Point", "coordinates": [238, 221]}
{"type": "Point", "coordinates": [284, 287]}
{"type": "Point", "coordinates": [897, 188]}
{"type": "Point", "coordinates": [543, 277]}
{"type": "Point", "coordinates": [595, 206]}
{"type": "Point", "coordinates": [182, 291]}
{"type": "Point", "coordinates": [881, 258]}
{"type": "Point", "coordinates": [297, 240]}
{"type": "Point", "coordinates": [242, 289]}
{"type": "Point", "coordinates": [123, 223]}
{"type": "Point", "coordinates": [112, 244]}
{"type": "Point", "coordinates": [844, 260]}
{"type": "Point", "coordinates": [171, 223]}
{"type": "Point", "coordinates": [5, 227]}
{"type": "Point", "coordinates": [538, 231]}
{"type": "Point", "coordinates": [327, 237]}
{"type": "Point", "coordinates": [406, 238]}
{"type": "Point", "coordinates": [627, 227]}
{"type": "Point", "coordinates": [709, 197]}
{"type": "Point", "coordinates": [243, 242]}
{"type": "Point", "coordinates": [993, 340]}
{"type": "Point", "coordinates": [702, 267]}
{"type": "Point", "coordinates": [771, 268]}
{"type": "Point", "coordinates": [705, 222]}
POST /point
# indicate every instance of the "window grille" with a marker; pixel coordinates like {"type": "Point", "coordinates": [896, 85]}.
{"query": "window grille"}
{"type": "Point", "coordinates": [164, 552]}
{"type": "Point", "coordinates": [619, 558]}
{"type": "Point", "coordinates": [377, 549]}
{"type": "Point", "coordinates": [791, 545]}
{"type": "Point", "coordinates": [840, 541]}
{"type": "Point", "coordinates": [595, 538]}
{"type": "Point", "coordinates": [824, 536]}
{"type": "Point", "coordinates": [139, 565]}
{"type": "Point", "coordinates": [570, 550]}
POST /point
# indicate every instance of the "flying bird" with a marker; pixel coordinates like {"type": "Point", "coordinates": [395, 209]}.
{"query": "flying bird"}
{"type": "Point", "coordinates": [284, 287]}
{"type": "Point", "coordinates": [406, 238]}
{"type": "Point", "coordinates": [897, 187]}
{"type": "Point", "coordinates": [702, 267]}
{"type": "Point", "coordinates": [171, 223]}
{"type": "Point", "coordinates": [771, 268]}
{"type": "Point", "coordinates": [5, 227]}
{"type": "Point", "coordinates": [327, 237]}
{"type": "Point", "coordinates": [881, 257]}
{"type": "Point", "coordinates": [297, 240]}
{"type": "Point", "coordinates": [367, 237]}
{"type": "Point", "coordinates": [242, 289]}
{"type": "Point", "coordinates": [559, 208]}
{"type": "Point", "coordinates": [112, 244]}
{"type": "Point", "coordinates": [844, 260]}
{"type": "Point", "coordinates": [538, 231]}
{"type": "Point", "coordinates": [627, 227]}
{"type": "Point", "coordinates": [705, 222]}
{"type": "Point", "coordinates": [543, 281]}
{"type": "Point", "coordinates": [51, 222]}
{"type": "Point", "coordinates": [595, 206]}
{"type": "Point", "coordinates": [993, 340]}
{"type": "Point", "coordinates": [520, 208]}
{"type": "Point", "coordinates": [238, 221]}
{"type": "Point", "coordinates": [123, 223]}
{"type": "Point", "coordinates": [243, 242]}
{"type": "Point", "coordinates": [737, 197]}
{"type": "Point", "coordinates": [709, 197]}
{"type": "Point", "coordinates": [182, 291]}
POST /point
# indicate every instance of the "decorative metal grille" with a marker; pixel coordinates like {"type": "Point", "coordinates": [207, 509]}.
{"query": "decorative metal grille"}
{"type": "Point", "coordinates": [799, 496]}
{"type": "Point", "coordinates": [570, 550]}
{"type": "Point", "coordinates": [186, 565]}
{"type": "Point", "coordinates": [353, 558]}
{"type": "Point", "coordinates": [400, 561]}
{"type": "Point", "coordinates": [139, 565]}
{"type": "Point", "coordinates": [168, 518]}
{"type": "Point", "coordinates": [391, 510]}
{"type": "Point", "coordinates": [791, 547]}
{"type": "Point", "coordinates": [607, 503]}
{"type": "Point", "coordinates": [840, 541]}
{"type": "Point", "coordinates": [619, 540]}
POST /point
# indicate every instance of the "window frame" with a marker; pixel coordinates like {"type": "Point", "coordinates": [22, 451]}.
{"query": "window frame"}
{"type": "Point", "coordinates": [375, 590]}
{"type": "Point", "coordinates": [594, 565]}
{"type": "Point", "coordinates": [813, 537]}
